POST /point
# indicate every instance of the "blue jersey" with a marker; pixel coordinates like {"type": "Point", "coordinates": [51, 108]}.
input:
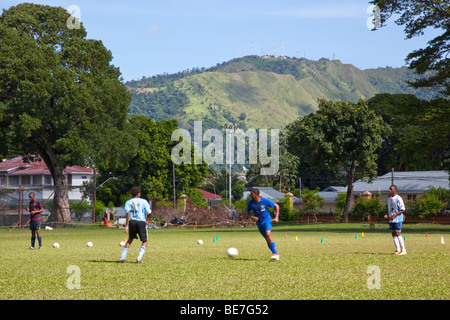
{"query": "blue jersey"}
{"type": "Point", "coordinates": [261, 208]}
{"type": "Point", "coordinates": [138, 209]}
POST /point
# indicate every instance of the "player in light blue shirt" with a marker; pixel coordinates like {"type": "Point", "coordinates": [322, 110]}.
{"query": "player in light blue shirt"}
{"type": "Point", "coordinates": [137, 210]}
{"type": "Point", "coordinates": [260, 207]}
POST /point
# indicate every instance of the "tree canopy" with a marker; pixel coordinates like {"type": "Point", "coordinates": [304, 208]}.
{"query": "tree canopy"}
{"type": "Point", "coordinates": [61, 98]}
{"type": "Point", "coordinates": [433, 61]}
{"type": "Point", "coordinates": [340, 136]}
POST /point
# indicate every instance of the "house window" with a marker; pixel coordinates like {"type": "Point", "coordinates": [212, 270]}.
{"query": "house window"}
{"type": "Point", "coordinates": [48, 180]}
{"type": "Point", "coordinates": [412, 197]}
{"type": "Point", "coordinates": [3, 180]}
{"type": "Point", "coordinates": [14, 180]}
{"type": "Point", "coordinates": [37, 180]}
{"type": "Point", "coordinates": [355, 198]}
{"type": "Point", "coordinates": [69, 180]}
{"type": "Point", "coordinates": [26, 180]}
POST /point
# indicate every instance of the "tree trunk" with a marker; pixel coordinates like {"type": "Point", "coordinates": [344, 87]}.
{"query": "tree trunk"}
{"type": "Point", "coordinates": [61, 197]}
{"type": "Point", "coordinates": [348, 198]}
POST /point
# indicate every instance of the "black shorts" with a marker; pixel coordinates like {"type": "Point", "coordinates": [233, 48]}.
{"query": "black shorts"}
{"type": "Point", "coordinates": [137, 228]}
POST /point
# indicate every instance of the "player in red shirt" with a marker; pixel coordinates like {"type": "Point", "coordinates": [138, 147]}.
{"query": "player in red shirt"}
{"type": "Point", "coordinates": [35, 209]}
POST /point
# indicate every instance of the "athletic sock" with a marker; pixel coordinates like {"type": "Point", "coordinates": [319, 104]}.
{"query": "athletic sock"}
{"type": "Point", "coordinates": [141, 253]}
{"type": "Point", "coordinates": [33, 239]}
{"type": "Point", "coordinates": [401, 242]}
{"type": "Point", "coordinates": [272, 248]}
{"type": "Point", "coordinates": [124, 254]}
{"type": "Point", "coordinates": [397, 244]}
{"type": "Point", "coordinates": [40, 241]}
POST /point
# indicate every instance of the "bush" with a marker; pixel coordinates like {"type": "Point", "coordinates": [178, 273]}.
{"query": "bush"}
{"type": "Point", "coordinates": [364, 208]}
{"type": "Point", "coordinates": [427, 205]}
{"type": "Point", "coordinates": [311, 202]}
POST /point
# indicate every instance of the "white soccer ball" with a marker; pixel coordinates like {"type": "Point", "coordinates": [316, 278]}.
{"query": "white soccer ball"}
{"type": "Point", "coordinates": [122, 243]}
{"type": "Point", "coordinates": [200, 241]}
{"type": "Point", "coordinates": [232, 252]}
{"type": "Point", "coordinates": [56, 245]}
{"type": "Point", "coordinates": [89, 244]}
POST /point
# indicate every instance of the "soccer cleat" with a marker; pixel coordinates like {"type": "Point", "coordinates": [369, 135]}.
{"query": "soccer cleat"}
{"type": "Point", "coordinates": [31, 248]}
{"type": "Point", "coordinates": [401, 253]}
{"type": "Point", "coordinates": [40, 248]}
{"type": "Point", "coordinates": [275, 257]}
{"type": "Point", "coordinates": [139, 261]}
{"type": "Point", "coordinates": [397, 252]}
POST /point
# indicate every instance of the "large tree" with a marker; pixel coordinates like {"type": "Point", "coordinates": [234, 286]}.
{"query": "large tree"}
{"type": "Point", "coordinates": [340, 136]}
{"type": "Point", "coordinates": [433, 61]}
{"type": "Point", "coordinates": [62, 99]}
{"type": "Point", "coordinates": [420, 138]}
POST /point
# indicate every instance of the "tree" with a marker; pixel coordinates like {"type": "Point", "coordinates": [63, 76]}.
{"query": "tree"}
{"type": "Point", "coordinates": [420, 138]}
{"type": "Point", "coordinates": [416, 15]}
{"type": "Point", "coordinates": [151, 167]}
{"type": "Point", "coordinates": [62, 99]}
{"type": "Point", "coordinates": [340, 136]}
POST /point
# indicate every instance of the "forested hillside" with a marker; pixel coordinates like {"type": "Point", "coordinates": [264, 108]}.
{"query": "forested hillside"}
{"type": "Point", "coordinates": [261, 92]}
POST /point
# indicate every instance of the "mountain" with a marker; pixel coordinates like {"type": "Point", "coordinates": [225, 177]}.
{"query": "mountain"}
{"type": "Point", "coordinates": [261, 92]}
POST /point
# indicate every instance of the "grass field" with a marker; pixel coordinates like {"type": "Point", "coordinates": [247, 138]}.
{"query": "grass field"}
{"type": "Point", "coordinates": [175, 267]}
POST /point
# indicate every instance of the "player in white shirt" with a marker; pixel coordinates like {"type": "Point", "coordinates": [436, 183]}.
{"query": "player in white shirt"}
{"type": "Point", "coordinates": [396, 208]}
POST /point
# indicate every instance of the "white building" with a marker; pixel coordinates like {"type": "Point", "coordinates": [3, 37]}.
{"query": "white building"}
{"type": "Point", "coordinates": [36, 177]}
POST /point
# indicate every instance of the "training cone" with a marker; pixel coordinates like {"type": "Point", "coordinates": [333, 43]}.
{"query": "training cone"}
{"type": "Point", "coordinates": [426, 235]}
{"type": "Point", "coordinates": [356, 236]}
{"type": "Point", "coordinates": [296, 238]}
{"type": "Point", "coordinates": [321, 240]}
{"type": "Point", "coordinates": [285, 236]}
{"type": "Point", "coordinates": [214, 240]}
{"type": "Point", "coordinates": [442, 239]}
{"type": "Point", "coordinates": [362, 234]}
{"type": "Point", "coordinates": [404, 238]}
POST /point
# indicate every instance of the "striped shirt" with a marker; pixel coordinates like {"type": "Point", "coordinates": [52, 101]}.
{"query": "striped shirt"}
{"type": "Point", "coordinates": [35, 206]}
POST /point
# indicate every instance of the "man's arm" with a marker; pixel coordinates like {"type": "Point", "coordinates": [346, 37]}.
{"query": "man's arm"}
{"type": "Point", "coordinates": [277, 212]}
{"type": "Point", "coordinates": [126, 223]}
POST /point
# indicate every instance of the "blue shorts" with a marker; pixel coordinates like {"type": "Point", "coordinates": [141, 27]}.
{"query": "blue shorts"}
{"type": "Point", "coordinates": [265, 225]}
{"type": "Point", "coordinates": [395, 226]}
{"type": "Point", "coordinates": [35, 224]}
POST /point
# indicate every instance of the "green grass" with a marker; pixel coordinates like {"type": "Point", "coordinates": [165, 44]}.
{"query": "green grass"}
{"type": "Point", "coordinates": [175, 267]}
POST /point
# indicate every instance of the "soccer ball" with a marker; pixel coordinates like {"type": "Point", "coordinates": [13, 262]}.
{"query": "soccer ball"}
{"type": "Point", "coordinates": [199, 241]}
{"type": "Point", "coordinates": [56, 245]}
{"type": "Point", "coordinates": [89, 244]}
{"type": "Point", "coordinates": [122, 243]}
{"type": "Point", "coordinates": [232, 252]}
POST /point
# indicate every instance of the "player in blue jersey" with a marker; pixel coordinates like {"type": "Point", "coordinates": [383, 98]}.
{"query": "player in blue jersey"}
{"type": "Point", "coordinates": [260, 207]}
{"type": "Point", "coordinates": [137, 210]}
{"type": "Point", "coordinates": [396, 208]}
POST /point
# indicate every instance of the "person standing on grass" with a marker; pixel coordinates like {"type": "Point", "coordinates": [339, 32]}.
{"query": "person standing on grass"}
{"type": "Point", "coordinates": [260, 207]}
{"type": "Point", "coordinates": [137, 210]}
{"type": "Point", "coordinates": [35, 209]}
{"type": "Point", "coordinates": [396, 208]}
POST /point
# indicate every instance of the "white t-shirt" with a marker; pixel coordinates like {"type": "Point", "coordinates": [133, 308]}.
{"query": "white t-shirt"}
{"type": "Point", "coordinates": [395, 204]}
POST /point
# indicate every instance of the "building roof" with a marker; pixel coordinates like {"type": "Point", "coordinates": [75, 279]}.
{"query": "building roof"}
{"type": "Point", "coordinates": [16, 166]}
{"type": "Point", "coordinates": [209, 195]}
{"type": "Point", "coordinates": [406, 181]}
{"type": "Point", "coordinates": [270, 193]}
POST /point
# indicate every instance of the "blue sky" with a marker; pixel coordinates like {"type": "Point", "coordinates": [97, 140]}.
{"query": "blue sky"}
{"type": "Point", "coordinates": [154, 37]}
